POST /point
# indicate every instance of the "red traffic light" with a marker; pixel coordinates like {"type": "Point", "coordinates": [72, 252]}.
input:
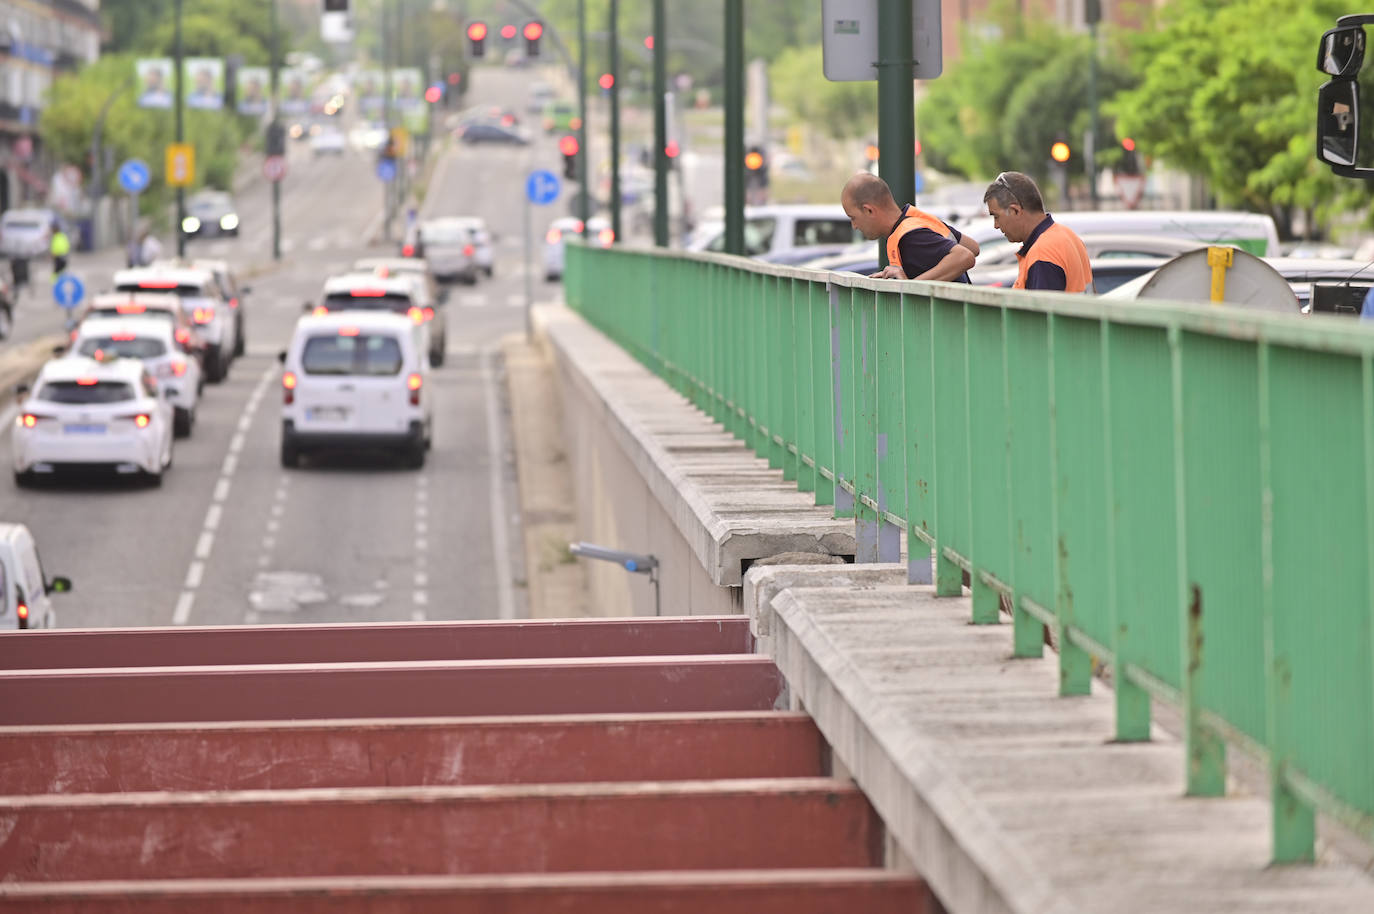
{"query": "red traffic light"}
{"type": "Point", "coordinates": [477, 31]}
{"type": "Point", "coordinates": [533, 30]}
{"type": "Point", "coordinates": [508, 31]}
{"type": "Point", "coordinates": [433, 94]}
{"type": "Point", "coordinates": [649, 42]}
{"type": "Point", "coordinates": [1128, 144]}
{"type": "Point", "coordinates": [606, 81]}
{"type": "Point", "coordinates": [568, 145]}
{"type": "Point", "coordinates": [672, 149]}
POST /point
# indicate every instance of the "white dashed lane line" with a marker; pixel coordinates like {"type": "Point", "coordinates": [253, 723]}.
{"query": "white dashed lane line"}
{"type": "Point", "coordinates": [205, 545]}
{"type": "Point", "coordinates": [420, 595]}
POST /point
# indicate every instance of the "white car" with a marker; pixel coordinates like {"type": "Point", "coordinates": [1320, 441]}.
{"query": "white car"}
{"type": "Point", "coordinates": [448, 245]}
{"type": "Point", "coordinates": [356, 380]}
{"type": "Point", "coordinates": [482, 253]}
{"type": "Point", "coordinates": [398, 292]}
{"type": "Point", "coordinates": [229, 289]}
{"type": "Point", "coordinates": [569, 227]}
{"type": "Point", "coordinates": [409, 266]}
{"type": "Point", "coordinates": [88, 414]}
{"type": "Point", "coordinates": [329, 141]}
{"type": "Point", "coordinates": [151, 341]}
{"type": "Point", "coordinates": [201, 300]}
{"type": "Point", "coordinates": [778, 227]}
{"type": "Point", "coordinates": [26, 232]}
{"type": "Point", "coordinates": [24, 587]}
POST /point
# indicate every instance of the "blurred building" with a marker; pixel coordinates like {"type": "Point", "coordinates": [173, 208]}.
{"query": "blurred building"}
{"type": "Point", "coordinates": [955, 15]}
{"type": "Point", "coordinates": [38, 39]}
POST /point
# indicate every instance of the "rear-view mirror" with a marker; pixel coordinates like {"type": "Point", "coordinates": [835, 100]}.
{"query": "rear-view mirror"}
{"type": "Point", "coordinates": [1341, 52]}
{"type": "Point", "coordinates": [21, 389]}
{"type": "Point", "coordinates": [1338, 105]}
{"type": "Point", "coordinates": [307, 307]}
{"type": "Point", "coordinates": [60, 585]}
{"type": "Point", "coordinates": [281, 356]}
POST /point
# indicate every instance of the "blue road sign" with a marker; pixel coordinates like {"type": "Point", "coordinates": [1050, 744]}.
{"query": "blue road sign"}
{"type": "Point", "coordinates": [542, 187]}
{"type": "Point", "coordinates": [386, 169]}
{"type": "Point", "coordinates": [68, 291]}
{"type": "Point", "coordinates": [134, 176]}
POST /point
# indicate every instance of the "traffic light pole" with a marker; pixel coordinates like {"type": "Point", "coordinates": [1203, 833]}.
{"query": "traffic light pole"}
{"type": "Point", "coordinates": [615, 121]}
{"type": "Point", "coordinates": [584, 197]}
{"type": "Point", "coordinates": [734, 126]}
{"type": "Point", "coordinates": [388, 214]}
{"type": "Point", "coordinates": [275, 131]}
{"type": "Point", "coordinates": [896, 101]}
{"type": "Point", "coordinates": [661, 162]}
{"type": "Point", "coordinates": [181, 130]}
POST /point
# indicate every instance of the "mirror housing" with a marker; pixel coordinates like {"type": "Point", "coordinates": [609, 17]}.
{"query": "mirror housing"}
{"type": "Point", "coordinates": [307, 307]}
{"type": "Point", "coordinates": [1341, 52]}
{"type": "Point", "coordinates": [281, 356]}
{"type": "Point", "coordinates": [60, 584]}
{"type": "Point", "coordinates": [1340, 55]}
{"type": "Point", "coordinates": [21, 388]}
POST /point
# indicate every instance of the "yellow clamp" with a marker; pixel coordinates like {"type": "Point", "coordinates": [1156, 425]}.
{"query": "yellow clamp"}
{"type": "Point", "coordinates": [1220, 260]}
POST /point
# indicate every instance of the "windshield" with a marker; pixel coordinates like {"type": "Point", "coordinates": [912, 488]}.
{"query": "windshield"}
{"type": "Point", "coordinates": [77, 392]}
{"type": "Point", "coordinates": [123, 345]}
{"type": "Point", "coordinates": [362, 354]}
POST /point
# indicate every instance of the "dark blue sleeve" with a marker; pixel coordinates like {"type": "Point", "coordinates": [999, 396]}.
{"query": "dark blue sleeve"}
{"type": "Point", "coordinates": [958, 236]}
{"type": "Point", "coordinates": [1045, 275]}
{"type": "Point", "coordinates": [922, 249]}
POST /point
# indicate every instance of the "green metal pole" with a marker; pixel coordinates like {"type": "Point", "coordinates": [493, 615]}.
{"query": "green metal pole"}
{"type": "Point", "coordinates": [181, 130]}
{"type": "Point", "coordinates": [388, 196]}
{"type": "Point", "coordinates": [1091, 161]}
{"type": "Point", "coordinates": [734, 126]}
{"type": "Point", "coordinates": [584, 195]}
{"type": "Point", "coordinates": [661, 161]}
{"type": "Point", "coordinates": [615, 120]}
{"type": "Point", "coordinates": [896, 100]}
{"type": "Point", "coordinates": [276, 131]}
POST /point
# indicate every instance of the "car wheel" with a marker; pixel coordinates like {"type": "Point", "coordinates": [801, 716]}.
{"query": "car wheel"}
{"type": "Point", "coordinates": [239, 344]}
{"type": "Point", "coordinates": [415, 455]}
{"type": "Point", "coordinates": [183, 421]}
{"type": "Point", "coordinates": [490, 271]}
{"type": "Point", "coordinates": [290, 454]}
{"type": "Point", "coordinates": [214, 366]}
{"type": "Point", "coordinates": [436, 356]}
{"type": "Point", "coordinates": [152, 480]}
{"type": "Point", "coordinates": [6, 322]}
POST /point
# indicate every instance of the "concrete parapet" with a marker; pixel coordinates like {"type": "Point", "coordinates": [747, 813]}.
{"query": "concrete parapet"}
{"type": "Point", "coordinates": [1004, 796]}
{"type": "Point", "coordinates": [764, 582]}
{"type": "Point", "coordinates": [653, 473]}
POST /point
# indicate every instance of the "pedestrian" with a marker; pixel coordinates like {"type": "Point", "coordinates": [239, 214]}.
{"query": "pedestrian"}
{"type": "Point", "coordinates": [919, 245]}
{"type": "Point", "coordinates": [19, 272]}
{"type": "Point", "coordinates": [149, 248]}
{"type": "Point", "coordinates": [1052, 257]}
{"type": "Point", "coordinates": [60, 246]}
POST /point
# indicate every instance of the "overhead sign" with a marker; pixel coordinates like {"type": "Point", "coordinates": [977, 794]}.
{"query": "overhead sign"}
{"type": "Point", "coordinates": [134, 176]}
{"type": "Point", "coordinates": [274, 168]}
{"type": "Point", "coordinates": [68, 291]}
{"type": "Point", "coordinates": [181, 164]}
{"type": "Point", "coordinates": [849, 39]}
{"type": "Point", "coordinates": [386, 169]}
{"type": "Point", "coordinates": [542, 187]}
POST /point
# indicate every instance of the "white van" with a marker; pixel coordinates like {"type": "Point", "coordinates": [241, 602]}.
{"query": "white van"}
{"type": "Point", "coordinates": [774, 228]}
{"type": "Point", "coordinates": [1252, 232]}
{"type": "Point", "coordinates": [24, 590]}
{"type": "Point", "coordinates": [356, 380]}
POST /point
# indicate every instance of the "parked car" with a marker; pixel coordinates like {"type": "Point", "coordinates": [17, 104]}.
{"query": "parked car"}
{"type": "Point", "coordinates": [24, 585]}
{"type": "Point", "coordinates": [356, 380]}
{"type": "Point", "coordinates": [1099, 247]}
{"type": "Point", "coordinates": [86, 414]}
{"type": "Point", "coordinates": [773, 228]}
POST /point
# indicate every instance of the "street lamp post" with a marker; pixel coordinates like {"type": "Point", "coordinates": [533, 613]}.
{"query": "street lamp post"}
{"type": "Point", "coordinates": [615, 121]}
{"type": "Point", "coordinates": [660, 125]}
{"type": "Point", "coordinates": [734, 126]}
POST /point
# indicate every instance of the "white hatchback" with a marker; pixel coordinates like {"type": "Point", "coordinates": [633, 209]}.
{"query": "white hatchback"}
{"type": "Point", "coordinates": [152, 342]}
{"type": "Point", "coordinates": [201, 300]}
{"type": "Point", "coordinates": [356, 381]}
{"type": "Point", "coordinates": [88, 414]}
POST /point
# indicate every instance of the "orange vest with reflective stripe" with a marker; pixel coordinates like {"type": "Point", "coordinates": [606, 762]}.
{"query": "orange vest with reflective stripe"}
{"type": "Point", "coordinates": [913, 219]}
{"type": "Point", "coordinates": [1060, 246]}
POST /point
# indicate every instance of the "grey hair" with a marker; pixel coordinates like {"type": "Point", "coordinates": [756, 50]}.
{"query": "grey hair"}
{"type": "Point", "coordinates": [1014, 187]}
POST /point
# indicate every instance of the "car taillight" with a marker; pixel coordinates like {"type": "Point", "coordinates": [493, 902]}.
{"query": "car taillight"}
{"type": "Point", "coordinates": [288, 387]}
{"type": "Point", "coordinates": [408, 250]}
{"type": "Point", "coordinates": [233, 302]}
{"type": "Point", "coordinates": [29, 420]}
{"type": "Point", "coordinates": [606, 237]}
{"type": "Point", "coordinates": [554, 236]}
{"type": "Point", "coordinates": [179, 368]}
{"type": "Point", "coordinates": [23, 612]}
{"type": "Point", "coordinates": [203, 315]}
{"type": "Point", "coordinates": [416, 315]}
{"type": "Point", "coordinates": [183, 336]}
{"type": "Point", "coordinates": [130, 309]}
{"type": "Point", "coordinates": [142, 420]}
{"type": "Point", "coordinates": [320, 311]}
{"type": "Point", "coordinates": [469, 250]}
{"type": "Point", "coordinates": [429, 314]}
{"type": "Point", "coordinates": [414, 383]}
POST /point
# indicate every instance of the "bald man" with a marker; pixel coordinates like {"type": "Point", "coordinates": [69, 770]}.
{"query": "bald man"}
{"type": "Point", "coordinates": [919, 246]}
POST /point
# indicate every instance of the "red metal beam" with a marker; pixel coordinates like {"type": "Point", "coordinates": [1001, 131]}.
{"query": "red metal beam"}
{"type": "Point", "coordinates": [740, 892]}
{"type": "Point", "coordinates": [421, 689]}
{"type": "Point", "coordinates": [697, 825]}
{"type": "Point", "coordinates": [339, 643]}
{"type": "Point", "coordinates": [449, 752]}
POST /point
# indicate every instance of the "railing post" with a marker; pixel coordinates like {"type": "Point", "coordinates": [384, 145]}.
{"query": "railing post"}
{"type": "Point", "coordinates": [819, 308]}
{"type": "Point", "coordinates": [842, 382]}
{"type": "Point", "coordinates": [1075, 665]}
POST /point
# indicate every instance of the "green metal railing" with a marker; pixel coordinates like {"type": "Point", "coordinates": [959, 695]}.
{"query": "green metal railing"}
{"type": "Point", "coordinates": [1185, 494]}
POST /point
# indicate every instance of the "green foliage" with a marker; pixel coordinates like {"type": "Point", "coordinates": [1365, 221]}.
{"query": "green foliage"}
{"type": "Point", "coordinates": [130, 131]}
{"type": "Point", "coordinates": [210, 28]}
{"type": "Point", "coordinates": [1228, 91]}
{"type": "Point", "coordinates": [842, 109]}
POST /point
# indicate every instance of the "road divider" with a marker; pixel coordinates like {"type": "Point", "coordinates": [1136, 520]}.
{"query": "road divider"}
{"type": "Point", "coordinates": [21, 362]}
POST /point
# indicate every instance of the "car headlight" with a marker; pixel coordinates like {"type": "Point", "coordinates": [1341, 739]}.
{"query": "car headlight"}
{"type": "Point", "coordinates": [229, 222]}
{"type": "Point", "coordinates": [190, 224]}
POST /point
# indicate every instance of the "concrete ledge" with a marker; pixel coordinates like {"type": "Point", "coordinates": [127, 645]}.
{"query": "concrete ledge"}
{"type": "Point", "coordinates": [1008, 798]}
{"type": "Point", "coordinates": [764, 583]}
{"type": "Point", "coordinates": [728, 506]}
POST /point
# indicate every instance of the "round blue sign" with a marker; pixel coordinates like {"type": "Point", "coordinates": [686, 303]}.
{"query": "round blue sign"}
{"type": "Point", "coordinates": [386, 169]}
{"type": "Point", "coordinates": [134, 176]}
{"type": "Point", "coordinates": [68, 291]}
{"type": "Point", "coordinates": [542, 187]}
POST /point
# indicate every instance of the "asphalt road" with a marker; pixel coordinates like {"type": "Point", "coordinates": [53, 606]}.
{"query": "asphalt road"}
{"type": "Point", "coordinates": [231, 536]}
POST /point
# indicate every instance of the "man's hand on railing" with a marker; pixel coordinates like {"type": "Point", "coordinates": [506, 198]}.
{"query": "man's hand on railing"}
{"type": "Point", "coordinates": [891, 271]}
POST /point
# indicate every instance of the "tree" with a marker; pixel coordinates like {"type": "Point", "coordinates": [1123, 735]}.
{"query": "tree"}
{"type": "Point", "coordinates": [842, 109]}
{"type": "Point", "coordinates": [1228, 92]}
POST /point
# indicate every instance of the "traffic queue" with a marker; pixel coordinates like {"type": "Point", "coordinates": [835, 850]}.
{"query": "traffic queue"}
{"type": "Point", "coordinates": [130, 379]}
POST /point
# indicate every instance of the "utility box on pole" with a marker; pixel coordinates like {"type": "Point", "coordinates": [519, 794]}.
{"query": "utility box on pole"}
{"type": "Point", "coordinates": [849, 39]}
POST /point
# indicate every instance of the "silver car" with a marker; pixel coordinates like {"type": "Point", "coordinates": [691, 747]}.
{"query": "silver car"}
{"type": "Point", "coordinates": [448, 245]}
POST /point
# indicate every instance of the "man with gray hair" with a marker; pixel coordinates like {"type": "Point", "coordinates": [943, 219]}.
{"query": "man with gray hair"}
{"type": "Point", "coordinates": [1052, 257]}
{"type": "Point", "coordinates": [919, 245]}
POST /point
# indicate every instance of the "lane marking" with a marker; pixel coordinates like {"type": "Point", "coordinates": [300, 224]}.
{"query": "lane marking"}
{"type": "Point", "coordinates": [194, 575]}
{"type": "Point", "coordinates": [205, 544]}
{"type": "Point", "coordinates": [182, 613]}
{"type": "Point", "coordinates": [222, 489]}
{"type": "Point", "coordinates": [496, 487]}
{"type": "Point", "coordinates": [212, 516]}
